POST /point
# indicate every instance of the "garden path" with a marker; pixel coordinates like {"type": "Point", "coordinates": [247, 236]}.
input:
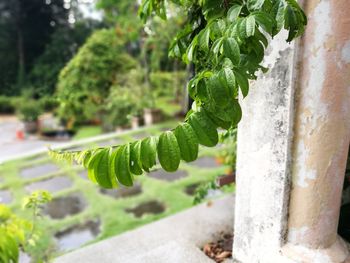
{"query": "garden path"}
{"type": "Point", "coordinates": [11, 147]}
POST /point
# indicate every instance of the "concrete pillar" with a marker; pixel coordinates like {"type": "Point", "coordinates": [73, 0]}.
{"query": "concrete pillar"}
{"type": "Point", "coordinates": [292, 146]}
{"type": "Point", "coordinates": [322, 134]}
{"type": "Point", "coordinates": [263, 157]}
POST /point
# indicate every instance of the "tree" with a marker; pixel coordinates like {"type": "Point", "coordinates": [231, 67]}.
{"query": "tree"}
{"type": "Point", "coordinates": [225, 40]}
{"type": "Point", "coordinates": [26, 27]}
{"type": "Point", "coordinates": [63, 45]}
{"type": "Point", "coordinates": [84, 83]}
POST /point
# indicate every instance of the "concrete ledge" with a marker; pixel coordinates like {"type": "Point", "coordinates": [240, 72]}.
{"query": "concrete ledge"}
{"type": "Point", "coordinates": [174, 239]}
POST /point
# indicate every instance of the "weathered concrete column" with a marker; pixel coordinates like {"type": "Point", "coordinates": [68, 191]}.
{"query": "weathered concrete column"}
{"type": "Point", "coordinates": [322, 134]}
{"type": "Point", "coordinates": [292, 146]}
{"type": "Point", "coordinates": [263, 156]}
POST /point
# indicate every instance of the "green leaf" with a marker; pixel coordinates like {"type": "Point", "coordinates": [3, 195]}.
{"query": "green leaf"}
{"type": "Point", "coordinates": [231, 50]}
{"type": "Point", "coordinates": [217, 46]}
{"type": "Point", "coordinates": [204, 128]}
{"type": "Point", "coordinates": [278, 14]}
{"type": "Point", "coordinates": [120, 162]}
{"type": "Point", "coordinates": [148, 153]}
{"type": "Point", "coordinates": [243, 83]}
{"type": "Point", "coordinates": [86, 159]}
{"type": "Point", "coordinates": [265, 21]}
{"type": "Point", "coordinates": [102, 170]}
{"type": "Point", "coordinates": [234, 12]}
{"type": "Point", "coordinates": [250, 26]}
{"type": "Point", "coordinates": [188, 142]}
{"type": "Point", "coordinates": [242, 28]}
{"type": "Point", "coordinates": [291, 22]}
{"type": "Point", "coordinates": [254, 4]}
{"type": "Point", "coordinates": [204, 39]}
{"type": "Point", "coordinates": [202, 91]}
{"type": "Point", "coordinates": [227, 78]}
{"type": "Point", "coordinates": [218, 91]}
{"type": "Point", "coordinates": [94, 160]}
{"type": "Point", "coordinates": [135, 158]}
{"type": "Point", "coordinates": [168, 151]}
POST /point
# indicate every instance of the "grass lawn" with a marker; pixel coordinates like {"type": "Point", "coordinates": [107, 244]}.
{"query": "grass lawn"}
{"type": "Point", "coordinates": [87, 131]}
{"type": "Point", "coordinates": [110, 212]}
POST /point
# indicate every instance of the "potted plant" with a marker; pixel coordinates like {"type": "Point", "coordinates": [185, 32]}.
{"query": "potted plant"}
{"type": "Point", "coordinates": [28, 112]}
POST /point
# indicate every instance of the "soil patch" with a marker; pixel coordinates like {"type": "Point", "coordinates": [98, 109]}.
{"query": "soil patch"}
{"type": "Point", "coordinates": [151, 207]}
{"type": "Point", "coordinates": [191, 189]}
{"type": "Point", "coordinates": [123, 192]}
{"type": "Point", "coordinates": [61, 207]}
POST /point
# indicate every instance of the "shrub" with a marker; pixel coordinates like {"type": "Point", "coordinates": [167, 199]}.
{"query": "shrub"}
{"type": "Point", "coordinates": [7, 105]}
{"type": "Point", "coordinates": [48, 103]}
{"type": "Point", "coordinates": [84, 83]}
{"type": "Point", "coordinates": [29, 110]}
{"type": "Point", "coordinates": [168, 83]}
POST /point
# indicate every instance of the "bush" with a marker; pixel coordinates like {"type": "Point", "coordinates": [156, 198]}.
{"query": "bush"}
{"type": "Point", "coordinates": [7, 105]}
{"type": "Point", "coordinates": [85, 82]}
{"type": "Point", "coordinates": [29, 110]}
{"type": "Point", "coordinates": [168, 83]}
{"type": "Point", "coordinates": [48, 103]}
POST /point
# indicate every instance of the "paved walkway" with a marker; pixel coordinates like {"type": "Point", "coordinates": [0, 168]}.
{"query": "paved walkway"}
{"type": "Point", "coordinates": [11, 147]}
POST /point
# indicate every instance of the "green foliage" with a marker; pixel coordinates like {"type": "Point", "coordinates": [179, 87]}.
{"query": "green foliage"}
{"type": "Point", "coordinates": [15, 232]}
{"type": "Point", "coordinates": [167, 83]}
{"type": "Point", "coordinates": [228, 154]}
{"type": "Point", "coordinates": [202, 191]}
{"type": "Point", "coordinates": [28, 109]}
{"type": "Point", "coordinates": [85, 82]}
{"type": "Point", "coordinates": [127, 98]}
{"type": "Point", "coordinates": [63, 45]}
{"type": "Point", "coordinates": [7, 105]}
{"type": "Point", "coordinates": [226, 41]}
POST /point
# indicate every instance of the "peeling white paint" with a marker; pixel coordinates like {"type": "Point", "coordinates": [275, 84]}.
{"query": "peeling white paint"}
{"type": "Point", "coordinates": [294, 234]}
{"type": "Point", "coordinates": [315, 56]}
{"type": "Point", "coordinates": [303, 174]}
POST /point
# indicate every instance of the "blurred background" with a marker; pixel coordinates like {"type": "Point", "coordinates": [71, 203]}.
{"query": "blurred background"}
{"type": "Point", "coordinates": [78, 74]}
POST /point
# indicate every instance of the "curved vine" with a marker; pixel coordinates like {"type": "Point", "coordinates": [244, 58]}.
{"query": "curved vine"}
{"type": "Point", "coordinates": [226, 41]}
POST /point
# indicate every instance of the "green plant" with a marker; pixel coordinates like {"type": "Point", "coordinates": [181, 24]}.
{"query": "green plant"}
{"type": "Point", "coordinates": [17, 233]}
{"type": "Point", "coordinates": [7, 105]}
{"type": "Point", "coordinates": [229, 152]}
{"type": "Point", "coordinates": [85, 82]}
{"type": "Point", "coordinates": [29, 110]}
{"type": "Point", "coordinates": [167, 83]}
{"type": "Point", "coordinates": [225, 40]}
{"type": "Point", "coordinates": [119, 108]}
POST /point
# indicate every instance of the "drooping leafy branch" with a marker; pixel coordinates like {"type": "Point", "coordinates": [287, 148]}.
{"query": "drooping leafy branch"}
{"type": "Point", "coordinates": [225, 40]}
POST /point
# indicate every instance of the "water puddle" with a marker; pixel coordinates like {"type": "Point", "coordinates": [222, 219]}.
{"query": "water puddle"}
{"type": "Point", "coordinates": [150, 207]}
{"type": "Point", "coordinates": [5, 196]}
{"type": "Point", "coordinates": [61, 207]}
{"type": "Point", "coordinates": [54, 184]}
{"type": "Point", "coordinates": [123, 192]}
{"type": "Point", "coordinates": [77, 235]}
{"type": "Point", "coordinates": [165, 176]}
{"type": "Point", "coordinates": [38, 170]}
{"type": "Point", "coordinates": [206, 162]}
